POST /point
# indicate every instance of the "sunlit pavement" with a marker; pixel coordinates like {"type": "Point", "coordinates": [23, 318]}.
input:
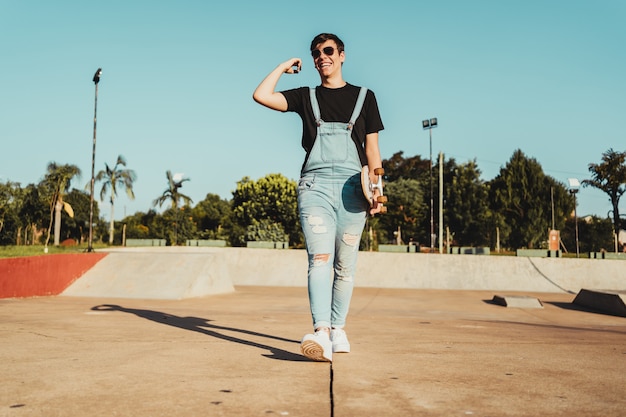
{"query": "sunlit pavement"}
{"type": "Point", "coordinates": [414, 353]}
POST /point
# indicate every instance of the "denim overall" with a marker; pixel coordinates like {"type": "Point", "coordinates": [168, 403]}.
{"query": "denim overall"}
{"type": "Point", "coordinates": [332, 213]}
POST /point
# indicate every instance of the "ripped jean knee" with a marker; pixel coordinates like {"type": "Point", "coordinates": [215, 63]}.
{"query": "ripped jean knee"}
{"type": "Point", "coordinates": [320, 259]}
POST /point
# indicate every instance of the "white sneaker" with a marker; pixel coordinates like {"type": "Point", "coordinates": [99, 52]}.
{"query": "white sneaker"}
{"type": "Point", "coordinates": [340, 341]}
{"type": "Point", "coordinates": [317, 346]}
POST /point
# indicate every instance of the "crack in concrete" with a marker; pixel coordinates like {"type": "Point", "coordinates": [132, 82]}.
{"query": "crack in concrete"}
{"type": "Point", "coordinates": [332, 397]}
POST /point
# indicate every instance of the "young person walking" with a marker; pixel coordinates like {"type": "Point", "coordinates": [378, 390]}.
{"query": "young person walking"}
{"type": "Point", "coordinates": [340, 135]}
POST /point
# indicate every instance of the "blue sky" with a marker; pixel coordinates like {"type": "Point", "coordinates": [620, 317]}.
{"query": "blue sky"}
{"type": "Point", "coordinates": [547, 77]}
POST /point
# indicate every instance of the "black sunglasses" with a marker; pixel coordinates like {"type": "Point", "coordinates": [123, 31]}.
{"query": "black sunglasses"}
{"type": "Point", "coordinates": [328, 51]}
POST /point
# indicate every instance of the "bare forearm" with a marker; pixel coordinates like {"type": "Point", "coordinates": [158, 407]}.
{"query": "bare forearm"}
{"type": "Point", "coordinates": [372, 152]}
{"type": "Point", "coordinates": [266, 94]}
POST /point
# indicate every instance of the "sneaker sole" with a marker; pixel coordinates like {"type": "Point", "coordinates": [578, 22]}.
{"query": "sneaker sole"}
{"type": "Point", "coordinates": [313, 351]}
{"type": "Point", "coordinates": [341, 348]}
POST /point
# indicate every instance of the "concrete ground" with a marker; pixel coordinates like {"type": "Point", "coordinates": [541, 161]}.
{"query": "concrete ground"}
{"type": "Point", "coordinates": [414, 353]}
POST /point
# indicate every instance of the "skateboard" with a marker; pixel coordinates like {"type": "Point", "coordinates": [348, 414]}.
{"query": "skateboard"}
{"type": "Point", "coordinates": [369, 187]}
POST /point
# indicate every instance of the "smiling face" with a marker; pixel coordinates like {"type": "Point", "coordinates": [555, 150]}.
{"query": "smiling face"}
{"type": "Point", "coordinates": [328, 59]}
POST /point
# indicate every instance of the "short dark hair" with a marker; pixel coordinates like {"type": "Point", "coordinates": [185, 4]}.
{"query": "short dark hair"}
{"type": "Point", "coordinates": [323, 37]}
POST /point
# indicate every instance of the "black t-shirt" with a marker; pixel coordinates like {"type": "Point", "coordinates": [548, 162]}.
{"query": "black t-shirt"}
{"type": "Point", "coordinates": [336, 105]}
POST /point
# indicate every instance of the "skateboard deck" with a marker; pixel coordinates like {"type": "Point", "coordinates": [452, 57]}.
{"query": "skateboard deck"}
{"type": "Point", "coordinates": [369, 187]}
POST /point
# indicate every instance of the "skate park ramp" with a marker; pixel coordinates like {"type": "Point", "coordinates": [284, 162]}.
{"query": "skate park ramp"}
{"type": "Point", "coordinates": [186, 272]}
{"type": "Point", "coordinates": [605, 301]}
{"type": "Point", "coordinates": [517, 301]}
{"type": "Point", "coordinates": [161, 274]}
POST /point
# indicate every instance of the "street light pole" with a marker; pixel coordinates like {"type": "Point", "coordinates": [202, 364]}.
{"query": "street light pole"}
{"type": "Point", "coordinates": [440, 202]}
{"type": "Point", "coordinates": [430, 125]}
{"type": "Point", "coordinates": [576, 223]}
{"type": "Point", "coordinates": [96, 80]}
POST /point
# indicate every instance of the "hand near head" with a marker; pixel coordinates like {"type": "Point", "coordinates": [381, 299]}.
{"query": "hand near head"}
{"type": "Point", "coordinates": [292, 66]}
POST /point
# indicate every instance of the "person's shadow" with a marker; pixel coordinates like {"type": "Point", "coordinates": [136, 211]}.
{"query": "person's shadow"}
{"type": "Point", "coordinates": [200, 325]}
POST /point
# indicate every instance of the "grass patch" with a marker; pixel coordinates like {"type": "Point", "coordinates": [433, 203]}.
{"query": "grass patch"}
{"type": "Point", "coordinates": [35, 250]}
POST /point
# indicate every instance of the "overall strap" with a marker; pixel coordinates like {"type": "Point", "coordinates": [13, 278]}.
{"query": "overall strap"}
{"type": "Point", "coordinates": [355, 114]}
{"type": "Point", "coordinates": [358, 106]}
{"type": "Point", "coordinates": [316, 107]}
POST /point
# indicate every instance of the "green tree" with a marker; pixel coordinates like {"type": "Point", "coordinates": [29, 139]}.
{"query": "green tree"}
{"type": "Point", "coordinates": [33, 212]}
{"type": "Point", "coordinates": [466, 205]}
{"type": "Point", "coordinates": [406, 211]}
{"type": "Point", "coordinates": [112, 180]}
{"type": "Point", "coordinates": [409, 213]}
{"type": "Point", "coordinates": [265, 230]}
{"type": "Point", "coordinates": [172, 217]}
{"type": "Point", "coordinates": [77, 227]}
{"type": "Point", "coordinates": [413, 167]}
{"type": "Point", "coordinates": [56, 183]}
{"type": "Point", "coordinates": [520, 197]}
{"type": "Point", "coordinates": [176, 226]}
{"type": "Point", "coordinates": [141, 225]}
{"type": "Point", "coordinates": [273, 198]}
{"type": "Point", "coordinates": [11, 198]}
{"type": "Point", "coordinates": [610, 177]}
{"type": "Point", "coordinates": [595, 234]}
{"type": "Point", "coordinates": [212, 217]}
{"type": "Point", "coordinates": [172, 193]}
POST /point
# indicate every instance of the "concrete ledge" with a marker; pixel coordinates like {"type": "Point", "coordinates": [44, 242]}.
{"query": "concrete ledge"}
{"type": "Point", "coordinates": [146, 242]}
{"type": "Point", "coordinates": [607, 255]}
{"type": "Point", "coordinates": [260, 244]}
{"type": "Point", "coordinates": [610, 302]}
{"type": "Point", "coordinates": [517, 301]}
{"type": "Point", "coordinates": [399, 248]}
{"type": "Point", "coordinates": [468, 250]}
{"type": "Point", "coordinates": [541, 253]}
{"type": "Point", "coordinates": [214, 243]}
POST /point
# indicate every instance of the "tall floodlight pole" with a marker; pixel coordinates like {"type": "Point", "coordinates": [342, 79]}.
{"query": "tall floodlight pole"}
{"type": "Point", "coordinates": [430, 125]}
{"type": "Point", "coordinates": [440, 202]}
{"type": "Point", "coordinates": [96, 80]}
{"type": "Point", "coordinates": [574, 185]}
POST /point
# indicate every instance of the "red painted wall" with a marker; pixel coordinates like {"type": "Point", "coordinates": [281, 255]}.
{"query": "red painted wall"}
{"type": "Point", "coordinates": [43, 275]}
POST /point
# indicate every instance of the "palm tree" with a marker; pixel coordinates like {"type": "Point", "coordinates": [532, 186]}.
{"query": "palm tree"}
{"type": "Point", "coordinates": [610, 177]}
{"type": "Point", "coordinates": [113, 179]}
{"type": "Point", "coordinates": [175, 182]}
{"type": "Point", "coordinates": [57, 182]}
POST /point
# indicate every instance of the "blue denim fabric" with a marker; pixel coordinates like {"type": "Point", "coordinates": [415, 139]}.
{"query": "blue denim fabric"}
{"type": "Point", "coordinates": [332, 213]}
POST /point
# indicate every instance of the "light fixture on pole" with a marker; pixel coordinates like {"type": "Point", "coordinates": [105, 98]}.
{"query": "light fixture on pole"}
{"type": "Point", "coordinates": [574, 185]}
{"type": "Point", "coordinates": [430, 124]}
{"type": "Point", "coordinates": [96, 80]}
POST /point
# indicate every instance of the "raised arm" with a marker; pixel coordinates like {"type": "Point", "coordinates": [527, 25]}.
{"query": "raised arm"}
{"type": "Point", "coordinates": [266, 94]}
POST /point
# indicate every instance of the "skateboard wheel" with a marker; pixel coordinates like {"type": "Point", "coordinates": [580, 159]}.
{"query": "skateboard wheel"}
{"type": "Point", "coordinates": [379, 171]}
{"type": "Point", "coordinates": [383, 209]}
{"type": "Point", "coordinates": [382, 199]}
